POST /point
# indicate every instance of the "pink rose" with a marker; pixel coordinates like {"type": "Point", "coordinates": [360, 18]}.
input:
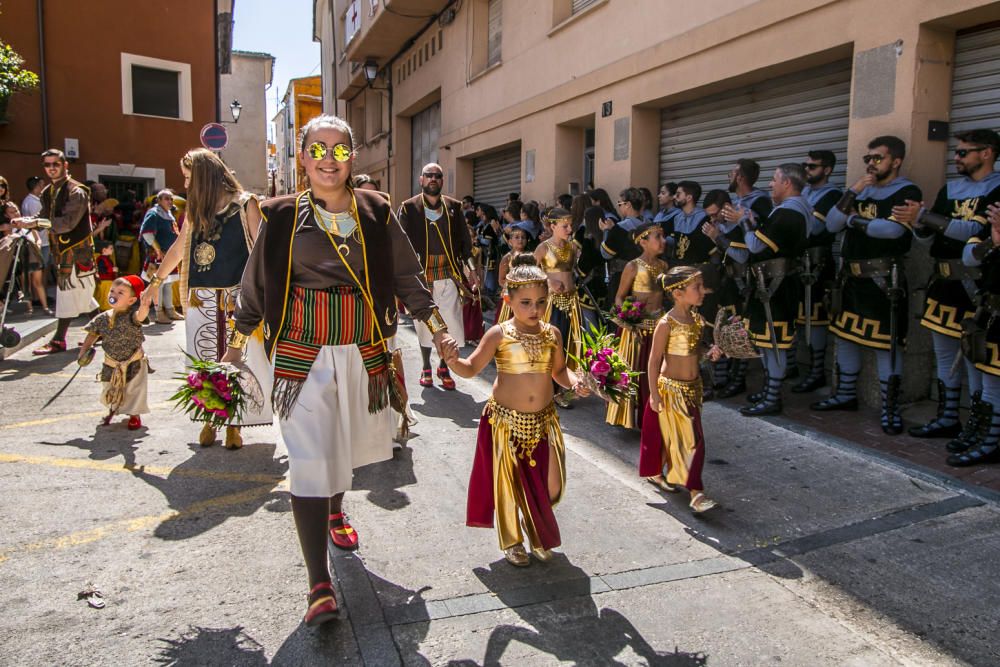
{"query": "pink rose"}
{"type": "Point", "coordinates": [623, 380]}
{"type": "Point", "coordinates": [194, 381]}
{"type": "Point", "coordinates": [600, 368]}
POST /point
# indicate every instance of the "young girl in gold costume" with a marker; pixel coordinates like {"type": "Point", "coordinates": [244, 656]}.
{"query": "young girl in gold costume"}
{"type": "Point", "coordinates": [519, 469]}
{"type": "Point", "coordinates": [641, 281]}
{"type": "Point", "coordinates": [672, 438]}
{"type": "Point", "coordinates": [518, 242]}
{"type": "Point", "coordinates": [557, 256]}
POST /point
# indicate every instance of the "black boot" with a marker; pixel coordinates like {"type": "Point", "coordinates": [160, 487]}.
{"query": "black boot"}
{"type": "Point", "coordinates": [892, 421]}
{"type": "Point", "coordinates": [758, 396]}
{"type": "Point", "coordinates": [791, 363]}
{"type": "Point", "coordinates": [987, 451]}
{"type": "Point", "coordinates": [816, 377]}
{"type": "Point", "coordinates": [945, 424]}
{"type": "Point", "coordinates": [720, 373]}
{"type": "Point", "coordinates": [770, 404]}
{"type": "Point", "coordinates": [844, 396]}
{"type": "Point", "coordinates": [970, 435]}
{"type": "Point", "coordinates": [737, 380]}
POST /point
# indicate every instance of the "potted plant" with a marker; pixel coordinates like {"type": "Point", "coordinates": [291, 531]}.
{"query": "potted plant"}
{"type": "Point", "coordinates": [13, 77]}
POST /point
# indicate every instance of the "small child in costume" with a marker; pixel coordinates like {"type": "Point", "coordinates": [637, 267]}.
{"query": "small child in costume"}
{"type": "Point", "coordinates": [124, 373]}
{"type": "Point", "coordinates": [106, 272]}
{"type": "Point", "coordinates": [518, 243]}
{"type": "Point", "coordinates": [641, 281]}
{"type": "Point", "coordinates": [519, 469]}
{"type": "Point", "coordinates": [672, 438]}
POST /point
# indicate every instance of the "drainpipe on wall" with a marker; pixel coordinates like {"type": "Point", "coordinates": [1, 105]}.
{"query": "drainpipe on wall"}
{"type": "Point", "coordinates": [40, 11]}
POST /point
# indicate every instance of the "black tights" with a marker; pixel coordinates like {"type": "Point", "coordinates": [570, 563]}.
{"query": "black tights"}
{"type": "Point", "coordinates": [426, 353]}
{"type": "Point", "coordinates": [61, 328]}
{"type": "Point", "coordinates": [312, 522]}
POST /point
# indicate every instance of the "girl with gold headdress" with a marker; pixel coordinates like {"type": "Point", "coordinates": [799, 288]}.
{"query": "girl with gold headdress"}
{"type": "Point", "coordinates": [518, 242]}
{"type": "Point", "coordinates": [672, 438]}
{"type": "Point", "coordinates": [558, 256]}
{"type": "Point", "coordinates": [519, 471]}
{"type": "Point", "coordinates": [640, 281]}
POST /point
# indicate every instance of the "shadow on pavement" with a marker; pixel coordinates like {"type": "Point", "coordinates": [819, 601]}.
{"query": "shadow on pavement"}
{"type": "Point", "coordinates": [577, 632]}
{"type": "Point", "coordinates": [107, 442]}
{"type": "Point", "coordinates": [384, 480]}
{"type": "Point", "coordinates": [210, 501]}
{"type": "Point", "coordinates": [459, 407]}
{"type": "Point", "coordinates": [211, 646]}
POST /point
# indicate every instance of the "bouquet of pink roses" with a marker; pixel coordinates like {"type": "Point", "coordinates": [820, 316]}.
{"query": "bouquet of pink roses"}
{"type": "Point", "coordinates": [601, 368]}
{"type": "Point", "coordinates": [210, 393]}
{"type": "Point", "coordinates": [631, 312]}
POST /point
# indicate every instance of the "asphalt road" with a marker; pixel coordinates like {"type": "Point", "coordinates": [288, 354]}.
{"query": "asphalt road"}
{"type": "Point", "coordinates": [818, 555]}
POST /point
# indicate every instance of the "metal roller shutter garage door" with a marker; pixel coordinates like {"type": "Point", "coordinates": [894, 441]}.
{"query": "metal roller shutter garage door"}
{"type": "Point", "coordinates": [975, 88]}
{"type": "Point", "coordinates": [425, 130]}
{"type": "Point", "coordinates": [496, 175]}
{"type": "Point", "coordinates": [772, 122]}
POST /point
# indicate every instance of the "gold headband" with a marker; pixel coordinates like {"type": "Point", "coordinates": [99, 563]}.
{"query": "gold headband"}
{"type": "Point", "coordinates": [681, 284]}
{"type": "Point", "coordinates": [644, 233]}
{"type": "Point", "coordinates": [529, 281]}
{"type": "Point", "coordinates": [553, 221]}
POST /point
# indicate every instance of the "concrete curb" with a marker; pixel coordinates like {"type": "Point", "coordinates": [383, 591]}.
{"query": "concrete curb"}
{"type": "Point", "coordinates": [30, 331]}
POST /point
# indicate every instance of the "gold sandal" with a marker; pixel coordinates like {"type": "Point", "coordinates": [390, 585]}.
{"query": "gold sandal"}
{"type": "Point", "coordinates": [207, 436]}
{"type": "Point", "coordinates": [517, 556]}
{"type": "Point", "coordinates": [701, 503]}
{"type": "Point", "coordinates": [234, 440]}
{"type": "Point", "coordinates": [660, 482]}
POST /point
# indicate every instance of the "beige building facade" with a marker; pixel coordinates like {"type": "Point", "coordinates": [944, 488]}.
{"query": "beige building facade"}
{"type": "Point", "coordinates": [544, 97]}
{"type": "Point", "coordinates": [247, 82]}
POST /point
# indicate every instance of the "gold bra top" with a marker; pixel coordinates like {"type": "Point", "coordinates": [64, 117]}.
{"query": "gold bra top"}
{"type": "Point", "coordinates": [645, 277]}
{"type": "Point", "coordinates": [684, 338]}
{"type": "Point", "coordinates": [558, 259]}
{"type": "Point", "coordinates": [521, 352]}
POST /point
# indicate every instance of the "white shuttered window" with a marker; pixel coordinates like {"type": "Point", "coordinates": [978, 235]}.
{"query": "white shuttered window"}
{"type": "Point", "coordinates": [580, 5]}
{"type": "Point", "coordinates": [495, 32]}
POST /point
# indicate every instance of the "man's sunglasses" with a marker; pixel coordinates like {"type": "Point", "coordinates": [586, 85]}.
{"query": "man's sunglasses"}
{"type": "Point", "coordinates": [962, 152]}
{"type": "Point", "coordinates": [873, 159]}
{"type": "Point", "coordinates": [809, 166]}
{"type": "Point", "coordinates": [433, 175]}
{"type": "Point", "coordinates": [317, 150]}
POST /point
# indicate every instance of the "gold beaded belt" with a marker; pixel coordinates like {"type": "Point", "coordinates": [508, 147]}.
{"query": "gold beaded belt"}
{"type": "Point", "coordinates": [564, 301]}
{"type": "Point", "coordinates": [690, 390]}
{"type": "Point", "coordinates": [526, 429]}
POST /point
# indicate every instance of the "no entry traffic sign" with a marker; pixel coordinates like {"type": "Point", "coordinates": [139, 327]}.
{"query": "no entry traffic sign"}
{"type": "Point", "coordinates": [214, 137]}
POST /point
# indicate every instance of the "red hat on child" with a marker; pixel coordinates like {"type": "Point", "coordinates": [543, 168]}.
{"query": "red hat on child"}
{"type": "Point", "coordinates": [137, 285]}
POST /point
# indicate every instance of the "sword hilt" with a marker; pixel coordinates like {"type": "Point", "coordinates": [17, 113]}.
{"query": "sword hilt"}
{"type": "Point", "coordinates": [87, 357]}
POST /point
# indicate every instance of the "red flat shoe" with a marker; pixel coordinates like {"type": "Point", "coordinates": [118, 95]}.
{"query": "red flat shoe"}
{"type": "Point", "coordinates": [324, 608]}
{"type": "Point", "coordinates": [134, 423]}
{"type": "Point", "coordinates": [343, 536]}
{"type": "Point", "coordinates": [426, 379]}
{"type": "Point", "coordinates": [52, 347]}
{"type": "Point", "coordinates": [446, 380]}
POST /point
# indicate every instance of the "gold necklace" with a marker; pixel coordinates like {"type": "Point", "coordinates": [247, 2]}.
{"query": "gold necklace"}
{"type": "Point", "coordinates": [533, 343]}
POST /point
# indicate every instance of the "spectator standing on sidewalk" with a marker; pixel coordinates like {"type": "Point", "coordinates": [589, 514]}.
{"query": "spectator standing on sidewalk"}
{"type": "Point", "coordinates": [66, 204]}
{"type": "Point", "coordinates": [159, 232]}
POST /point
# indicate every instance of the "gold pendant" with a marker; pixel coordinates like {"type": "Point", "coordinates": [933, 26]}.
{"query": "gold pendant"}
{"type": "Point", "coordinates": [344, 249]}
{"type": "Point", "coordinates": [204, 255]}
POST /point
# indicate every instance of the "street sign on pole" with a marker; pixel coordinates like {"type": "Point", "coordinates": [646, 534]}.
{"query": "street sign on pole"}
{"type": "Point", "coordinates": [214, 137]}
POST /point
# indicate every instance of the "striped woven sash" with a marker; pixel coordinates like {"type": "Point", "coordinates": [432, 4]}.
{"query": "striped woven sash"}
{"type": "Point", "coordinates": [438, 268]}
{"type": "Point", "coordinates": [333, 316]}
